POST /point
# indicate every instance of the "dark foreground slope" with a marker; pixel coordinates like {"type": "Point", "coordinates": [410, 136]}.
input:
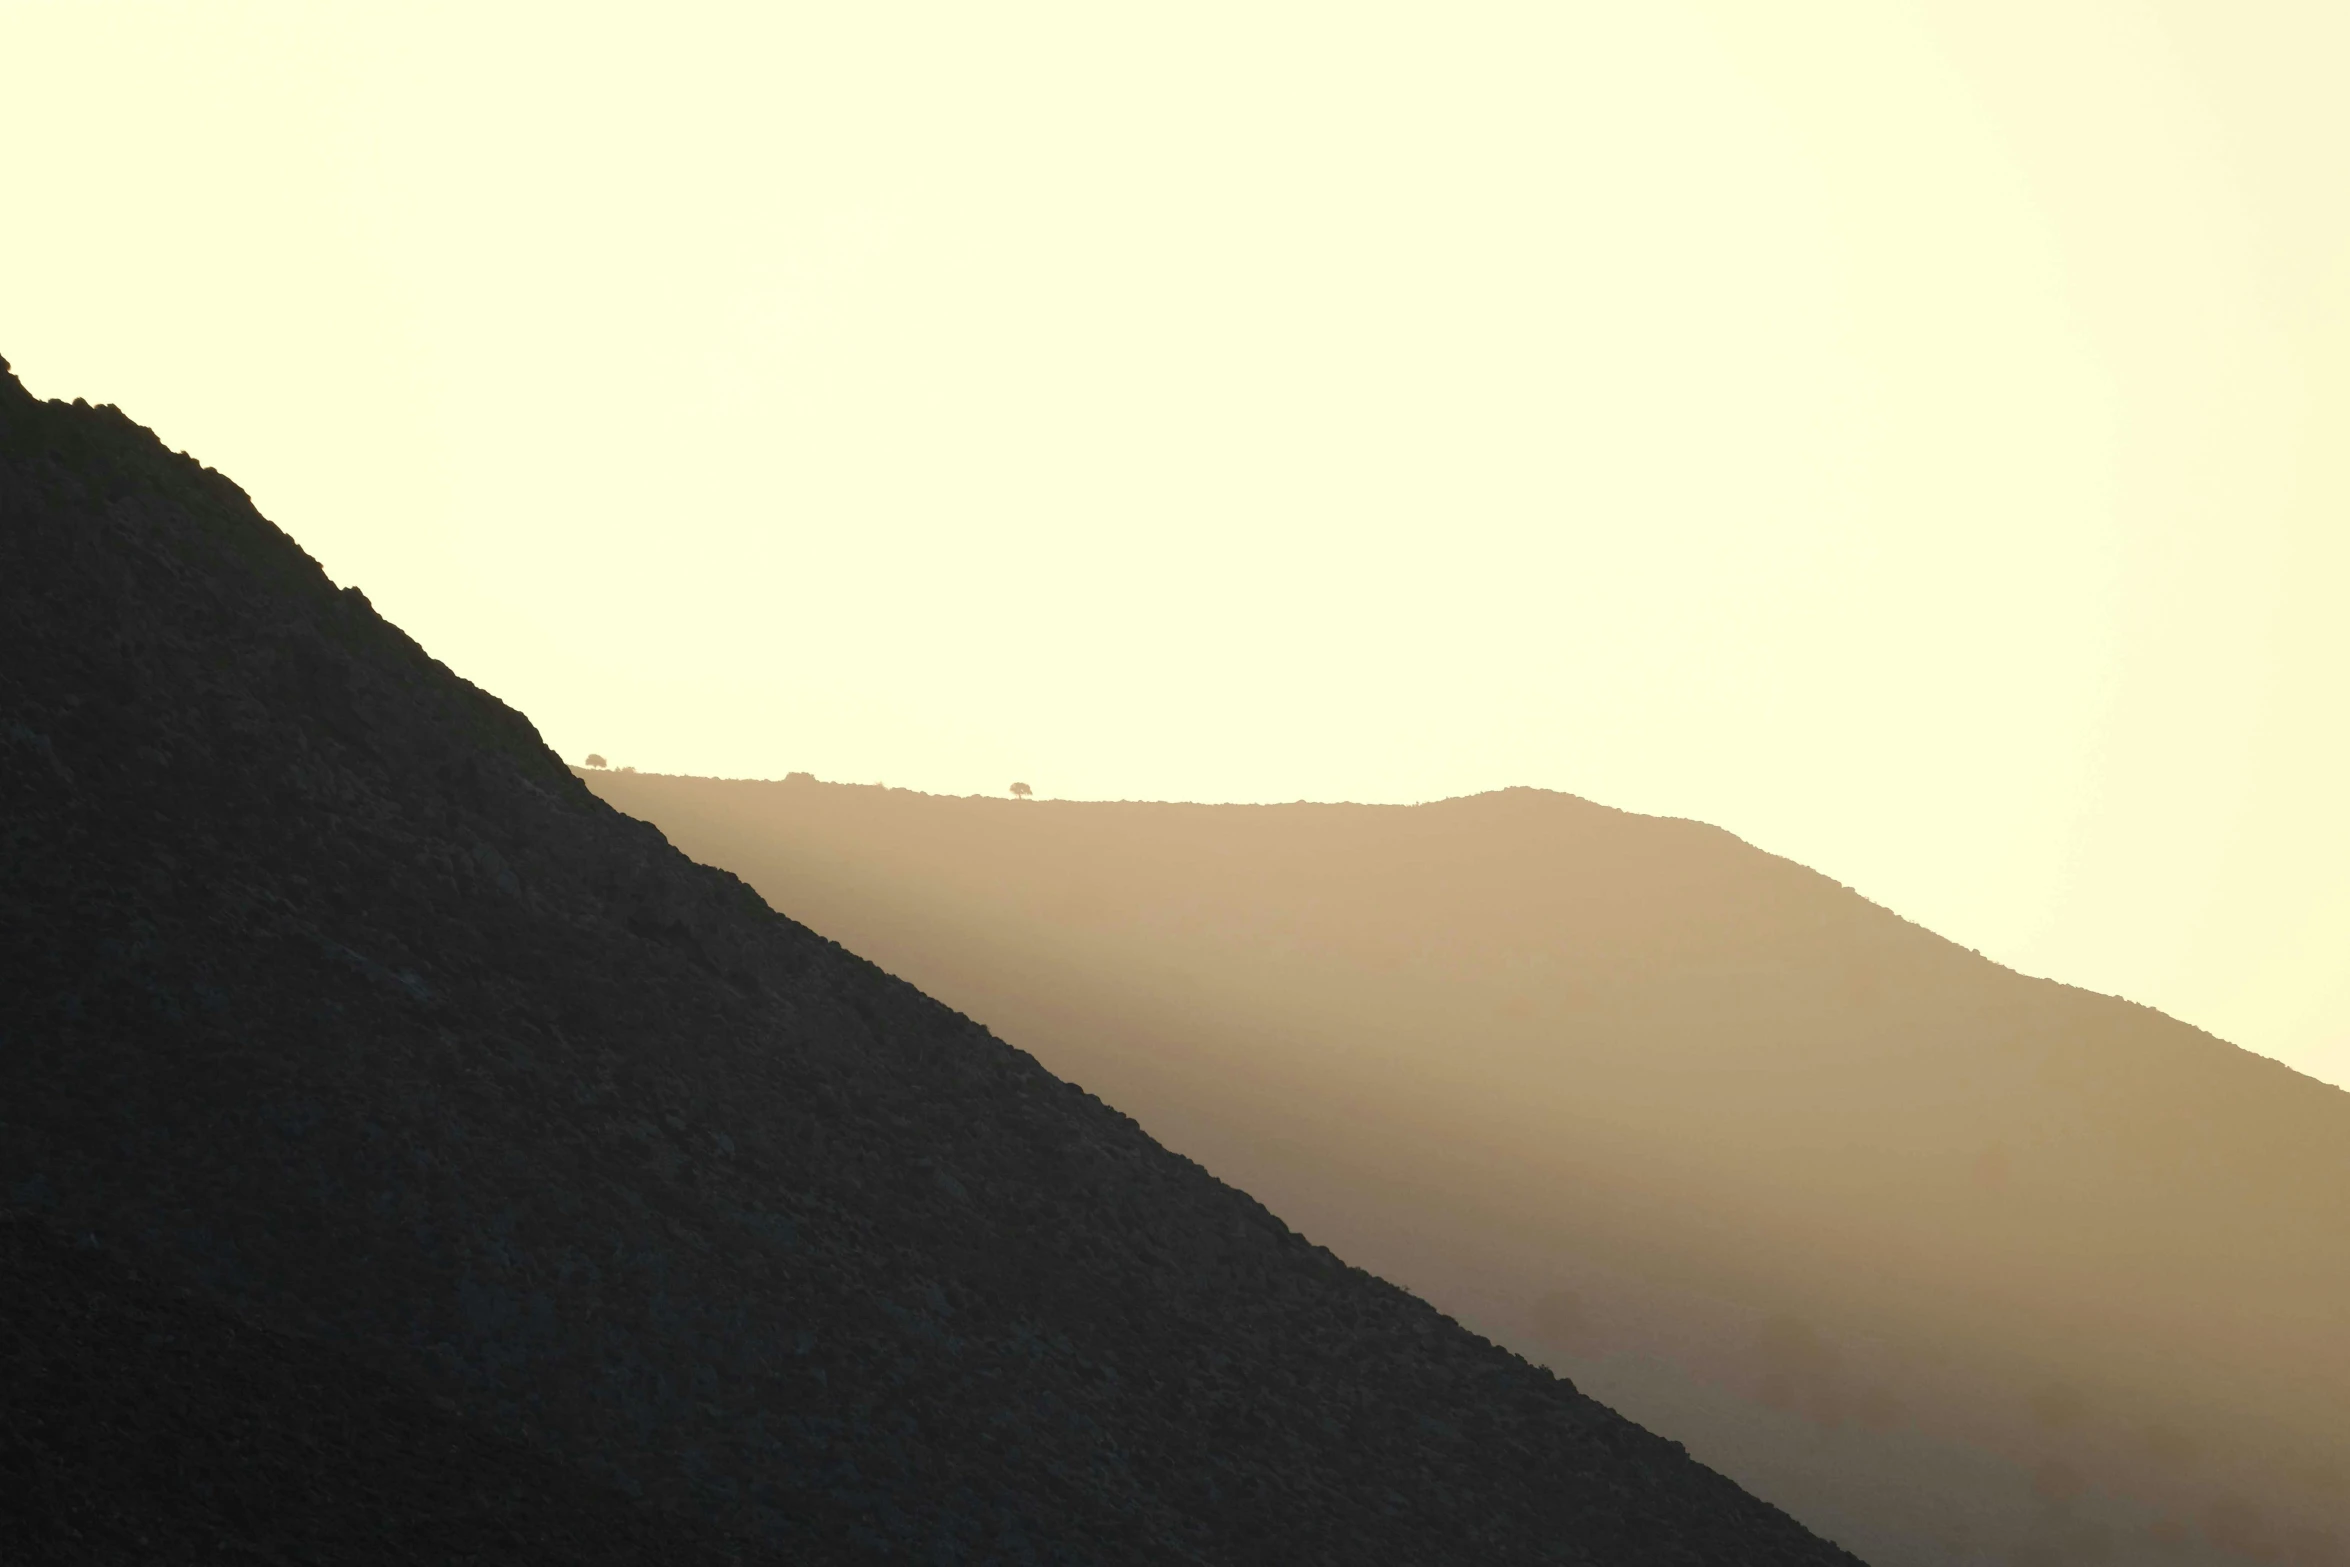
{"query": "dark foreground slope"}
{"type": "Point", "coordinates": [330, 991]}
{"type": "Point", "coordinates": [140, 1425]}
{"type": "Point", "coordinates": [1953, 1263]}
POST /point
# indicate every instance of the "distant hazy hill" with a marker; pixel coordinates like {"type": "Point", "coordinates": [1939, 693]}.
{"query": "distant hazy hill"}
{"type": "Point", "coordinates": [328, 993]}
{"type": "Point", "coordinates": [1951, 1262]}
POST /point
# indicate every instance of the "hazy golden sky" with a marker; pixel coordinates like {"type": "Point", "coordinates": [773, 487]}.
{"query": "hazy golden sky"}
{"type": "Point", "coordinates": [1910, 435]}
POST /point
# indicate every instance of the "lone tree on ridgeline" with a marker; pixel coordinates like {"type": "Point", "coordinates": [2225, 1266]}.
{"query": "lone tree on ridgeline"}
{"type": "Point", "coordinates": [1021, 791]}
{"type": "Point", "coordinates": [593, 760]}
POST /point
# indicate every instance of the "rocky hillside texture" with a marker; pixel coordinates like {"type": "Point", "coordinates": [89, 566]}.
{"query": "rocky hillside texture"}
{"type": "Point", "coordinates": [1954, 1264]}
{"type": "Point", "coordinates": [331, 994]}
{"type": "Point", "coordinates": [141, 1425]}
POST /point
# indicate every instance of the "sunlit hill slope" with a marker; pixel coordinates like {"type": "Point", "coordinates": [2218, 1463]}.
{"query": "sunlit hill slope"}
{"type": "Point", "coordinates": [1943, 1258]}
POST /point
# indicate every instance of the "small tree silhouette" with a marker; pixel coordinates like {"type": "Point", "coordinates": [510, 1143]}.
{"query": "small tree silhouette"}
{"type": "Point", "coordinates": [1021, 791]}
{"type": "Point", "coordinates": [593, 760]}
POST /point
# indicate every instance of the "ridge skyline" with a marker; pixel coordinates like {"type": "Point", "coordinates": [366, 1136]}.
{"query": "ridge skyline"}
{"type": "Point", "coordinates": [1045, 797]}
{"type": "Point", "coordinates": [948, 415]}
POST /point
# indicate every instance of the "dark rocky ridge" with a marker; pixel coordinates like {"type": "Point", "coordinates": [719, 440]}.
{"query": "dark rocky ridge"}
{"type": "Point", "coordinates": [330, 991]}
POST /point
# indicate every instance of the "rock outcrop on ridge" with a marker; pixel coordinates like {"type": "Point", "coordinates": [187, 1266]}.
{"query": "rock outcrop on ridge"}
{"type": "Point", "coordinates": [331, 993]}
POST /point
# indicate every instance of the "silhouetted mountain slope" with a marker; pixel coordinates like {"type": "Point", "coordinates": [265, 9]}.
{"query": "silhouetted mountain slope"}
{"type": "Point", "coordinates": [139, 1425]}
{"type": "Point", "coordinates": [1948, 1261]}
{"type": "Point", "coordinates": [329, 989]}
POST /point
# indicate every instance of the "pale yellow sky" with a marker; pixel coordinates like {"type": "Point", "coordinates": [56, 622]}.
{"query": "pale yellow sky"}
{"type": "Point", "coordinates": [1911, 436]}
